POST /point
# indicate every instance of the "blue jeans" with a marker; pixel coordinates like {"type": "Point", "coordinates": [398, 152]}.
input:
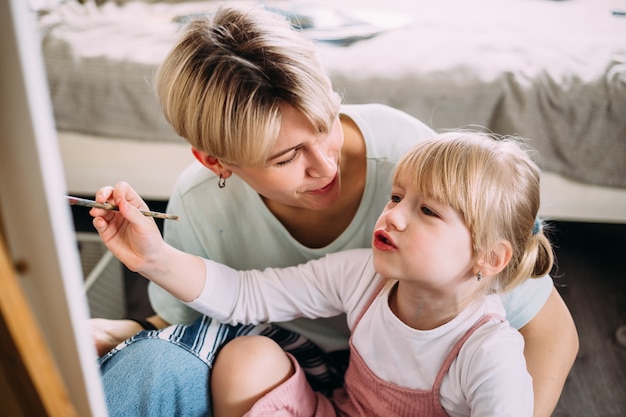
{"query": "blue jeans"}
{"type": "Point", "coordinates": [146, 379]}
{"type": "Point", "coordinates": [167, 372]}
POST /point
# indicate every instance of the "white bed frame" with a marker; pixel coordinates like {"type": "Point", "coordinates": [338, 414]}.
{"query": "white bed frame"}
{"type": "Point", "coordinates": [152, 169]}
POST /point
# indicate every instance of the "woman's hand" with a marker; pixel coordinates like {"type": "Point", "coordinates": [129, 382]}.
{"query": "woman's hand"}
{"type": "Point", "coordinates": [109, 333]}
{"type": "Point", "coordinates": [132, 237]}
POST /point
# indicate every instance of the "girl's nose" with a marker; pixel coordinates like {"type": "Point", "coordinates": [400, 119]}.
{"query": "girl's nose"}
{"type": "Point", "coordinates": [395, 217]}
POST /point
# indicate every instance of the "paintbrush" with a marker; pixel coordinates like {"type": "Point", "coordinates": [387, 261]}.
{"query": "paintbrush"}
{"type": "Point", "coordinates": [76, 201]}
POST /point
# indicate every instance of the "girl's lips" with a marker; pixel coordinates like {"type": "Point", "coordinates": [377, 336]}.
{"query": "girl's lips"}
{"type": "Point", "coordinates": [383, 242]}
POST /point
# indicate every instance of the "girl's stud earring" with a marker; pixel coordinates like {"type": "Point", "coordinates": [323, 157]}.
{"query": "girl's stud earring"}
{"type": "Point", "coordinates": [479, 276]}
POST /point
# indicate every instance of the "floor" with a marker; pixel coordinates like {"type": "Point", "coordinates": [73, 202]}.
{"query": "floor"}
{"type": "Point", "coordinates": [591, 277]}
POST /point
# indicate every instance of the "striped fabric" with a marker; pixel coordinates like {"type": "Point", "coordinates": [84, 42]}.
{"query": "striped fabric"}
{"type": "Point", "coordinates": [205, 336]}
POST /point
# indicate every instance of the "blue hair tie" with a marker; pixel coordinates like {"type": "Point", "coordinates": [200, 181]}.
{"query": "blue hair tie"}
{"type": "Point", "coordinates": [536, 226]}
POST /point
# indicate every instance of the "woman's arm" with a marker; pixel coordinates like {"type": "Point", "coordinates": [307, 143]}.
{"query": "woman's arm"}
{"type": "Point", "coordinates": [551, 346]}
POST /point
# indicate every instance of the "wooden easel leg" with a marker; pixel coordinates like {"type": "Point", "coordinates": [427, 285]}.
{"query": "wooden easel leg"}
{"type": "Point", "coordinates": [30, 384]}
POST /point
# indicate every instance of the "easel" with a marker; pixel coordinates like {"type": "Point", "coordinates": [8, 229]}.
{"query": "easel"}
{"type": "Point", "coordinates": [30, 384]}
{"type": "Point", "coordinates": [47, 358]}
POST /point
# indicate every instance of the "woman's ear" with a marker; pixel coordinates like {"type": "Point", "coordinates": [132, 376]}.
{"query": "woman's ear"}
{"type": "Point", "coordinates": [211, 163]}
{"type": "Point", "coordinates": [495, 259]}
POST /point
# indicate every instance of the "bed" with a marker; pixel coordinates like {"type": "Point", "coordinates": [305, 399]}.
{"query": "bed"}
{"type": "Point", "coordinates": [551, 71]}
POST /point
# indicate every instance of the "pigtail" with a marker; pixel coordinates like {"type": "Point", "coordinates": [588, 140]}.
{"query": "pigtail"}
{"type": "Point", "coordinates": [544, 258]}
{"type": "Point", "coordinates": [534, 262]}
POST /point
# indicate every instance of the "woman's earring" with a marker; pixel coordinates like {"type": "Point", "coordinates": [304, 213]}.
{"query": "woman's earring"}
{"type": "Point", "coordinates": [479, 276]}
{"type": "Point", "coordinates": [221, 182]}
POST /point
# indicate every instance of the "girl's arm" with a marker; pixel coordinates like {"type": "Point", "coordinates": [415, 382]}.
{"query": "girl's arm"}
{"type": "Point", "coordinates": [136, 241]}
{"type": "Point", "coordinates": [336, 283]}
{"type": "Point", "coordinates": [493, 373]}
{"type": "Point", "coordinates": [320, 288]}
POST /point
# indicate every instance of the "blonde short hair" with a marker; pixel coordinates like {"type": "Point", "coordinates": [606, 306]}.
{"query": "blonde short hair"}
{"type": "Point", "coordinates": [222, 85]}
{"type": "Point", "coordinates": [494, 183]}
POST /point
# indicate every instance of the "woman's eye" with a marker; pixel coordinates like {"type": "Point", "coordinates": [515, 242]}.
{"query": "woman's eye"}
{"type": "Point", "coordinates": [293, 156]}
{"type": "Point", "coordinates": [429, 212]}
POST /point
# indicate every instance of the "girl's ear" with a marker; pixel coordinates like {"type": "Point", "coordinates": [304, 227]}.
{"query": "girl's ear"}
{"type": "Point", "coordinates": [495, 259]}
{"type": "Point", "coordinates": [211, 163]}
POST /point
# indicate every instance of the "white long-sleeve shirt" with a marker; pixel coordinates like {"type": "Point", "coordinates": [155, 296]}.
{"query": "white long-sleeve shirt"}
{"type": "Point", "coordinates": [489, 376]}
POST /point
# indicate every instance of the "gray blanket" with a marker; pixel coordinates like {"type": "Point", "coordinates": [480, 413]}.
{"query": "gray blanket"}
{"type": "Point", "coordinates": [554, 72]}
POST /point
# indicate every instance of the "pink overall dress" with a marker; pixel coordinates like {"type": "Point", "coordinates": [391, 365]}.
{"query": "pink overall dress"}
{"type": "Point", "coordinates": [364, 393]}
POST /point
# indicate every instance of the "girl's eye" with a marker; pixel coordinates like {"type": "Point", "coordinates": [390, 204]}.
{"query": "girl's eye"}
{"type": "Point", "coordinates": [395, 198]}
{"type": "Point", "coordinates": [428, 212]}
{"type": "Point", "coordinates": [293, 156]}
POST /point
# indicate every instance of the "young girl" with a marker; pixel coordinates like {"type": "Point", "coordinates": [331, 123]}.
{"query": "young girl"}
{"type": "Point", "coordinates": [428, 334]}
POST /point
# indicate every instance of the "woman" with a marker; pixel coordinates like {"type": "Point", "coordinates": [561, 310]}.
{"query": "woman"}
{"type": "Point", "coordinates": [288, 163]}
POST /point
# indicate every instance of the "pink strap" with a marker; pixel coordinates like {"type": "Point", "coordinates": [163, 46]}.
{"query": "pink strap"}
{"type": "Point", "coordinates": [377, 291]}
{"type": "Point", "coordinates": [457, 348]}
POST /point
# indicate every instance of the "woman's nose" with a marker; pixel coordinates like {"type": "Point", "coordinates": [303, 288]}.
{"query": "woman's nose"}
{"type": "Point", "coordinates": [322, 162]}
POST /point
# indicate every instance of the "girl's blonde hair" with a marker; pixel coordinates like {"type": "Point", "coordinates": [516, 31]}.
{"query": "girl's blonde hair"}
{"type": "Point", "coordinates": [494, 183]}
{"type": "Point", "coordinates": [222, 84]}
